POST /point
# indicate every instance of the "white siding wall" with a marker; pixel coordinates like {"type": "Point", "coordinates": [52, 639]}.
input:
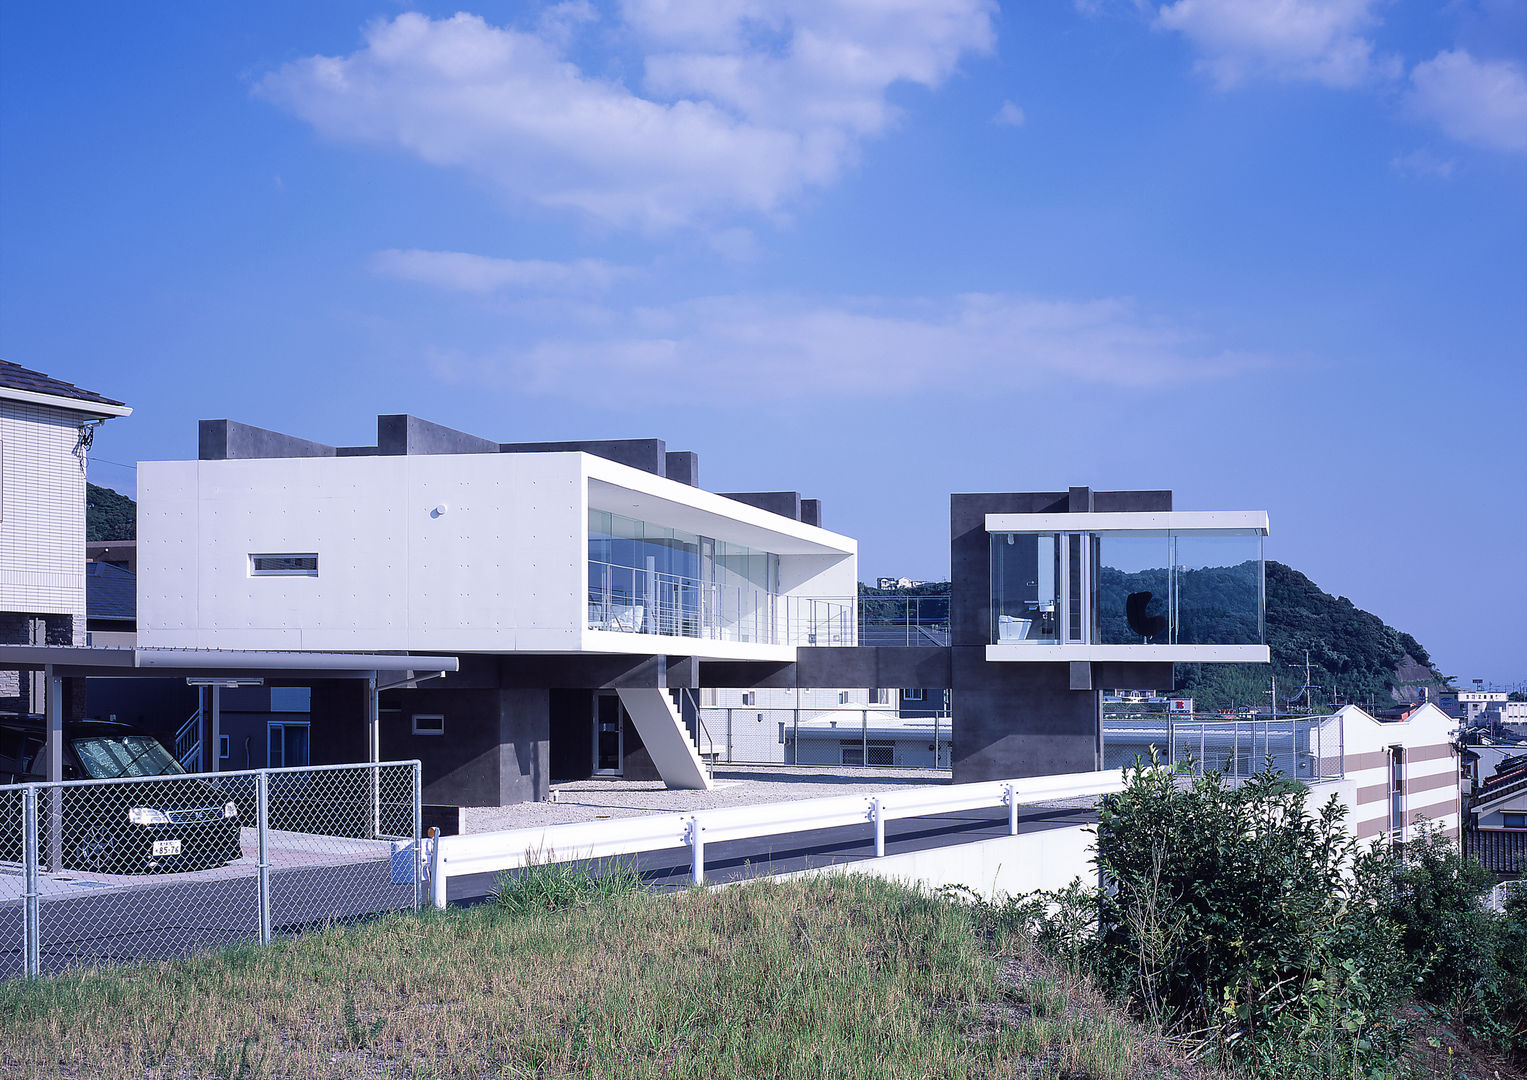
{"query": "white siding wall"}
{"type": "Point", "coordinates": [1430, 768]}
{"type": "Point", "coordinates": [503, 569]}
{"type": "Point", "coordinates": [42, 513]}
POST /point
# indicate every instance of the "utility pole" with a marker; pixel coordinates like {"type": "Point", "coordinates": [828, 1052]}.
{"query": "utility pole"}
{"type": "Point", "coordinates": [1307, 710]}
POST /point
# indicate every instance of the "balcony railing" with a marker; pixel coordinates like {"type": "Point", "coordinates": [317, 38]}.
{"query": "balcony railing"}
{"type": "Point", "coordinates": [1305, 748]}
{"type": "Point", "coordinates": [632, 601]}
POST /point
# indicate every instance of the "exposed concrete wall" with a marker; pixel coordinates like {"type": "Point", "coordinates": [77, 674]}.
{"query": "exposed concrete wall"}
{"type": "Point", "coordinates": [226, 440]}
{"type": "Point", "coordinates": [400, 433]}
{"type": "Point", "coordinates": [495, 749]}
{"type": "Point", "coordinates": [1025, 719]}
{"type": "Point", "coordinates": [1006, 866]}
{"type": "Point", "coordinates": [785, 503]}
{"type": "Point", "coordinates": [649, 455]}
{"type": "Point", "coordinates": [683, 466]}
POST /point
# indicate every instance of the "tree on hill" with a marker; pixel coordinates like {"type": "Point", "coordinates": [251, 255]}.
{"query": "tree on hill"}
{"type": "Point", "coordinates": [1354, 655]}
{"type": "Point", "coordinates": [109, 515]}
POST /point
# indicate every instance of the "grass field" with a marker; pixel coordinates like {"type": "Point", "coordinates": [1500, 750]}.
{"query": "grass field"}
{"type": "Point", "coordinates": [830, 978]}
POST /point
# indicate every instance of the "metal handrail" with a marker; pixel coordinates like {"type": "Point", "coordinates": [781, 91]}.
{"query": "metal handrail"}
{"type": "Point", "coordinates": [632, 600]}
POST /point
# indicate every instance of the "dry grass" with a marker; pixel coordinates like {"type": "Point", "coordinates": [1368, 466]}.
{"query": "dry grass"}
{"type": "Point", "coordinates": [832, 978]}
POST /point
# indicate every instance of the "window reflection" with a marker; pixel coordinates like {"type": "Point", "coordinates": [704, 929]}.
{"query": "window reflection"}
{"type": "Point", "coordinates": [1134, 587]}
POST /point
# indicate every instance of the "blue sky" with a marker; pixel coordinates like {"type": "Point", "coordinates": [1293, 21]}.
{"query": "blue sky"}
{"type": "Point", "coordinates": [1270, 256]}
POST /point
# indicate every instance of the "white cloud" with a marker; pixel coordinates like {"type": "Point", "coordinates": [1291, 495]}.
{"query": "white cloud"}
{"type": "Point", "coordinates": [747, 102]}
{"type": "Point", "coordinates": [1321, 41]}
{"type": "Point", "coordinates": [1423, 163]}
{"type": "Point", "coordinates": [460, 271]}
{"type": "Point", "coordinates": [1010, 114]}
{"type": "Point", "coordinates": [1479, 102]}
{"type": "Point", "coordinates": [778, 347]}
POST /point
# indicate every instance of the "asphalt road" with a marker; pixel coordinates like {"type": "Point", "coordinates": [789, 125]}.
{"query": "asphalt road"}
{"type": "Point", "coordinates": [154, 921]}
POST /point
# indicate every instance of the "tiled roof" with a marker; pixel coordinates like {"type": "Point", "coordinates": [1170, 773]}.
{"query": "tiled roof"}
{"type": "Point", "coordinates": [19, 378]}
{"type": "Point", "coordinates": [1501, 850]}
{"type": "Point", "coordinates": [110, 592]}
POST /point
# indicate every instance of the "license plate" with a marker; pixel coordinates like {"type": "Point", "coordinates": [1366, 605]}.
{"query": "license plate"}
{"type": "Point", "coordinates": [166, 847]}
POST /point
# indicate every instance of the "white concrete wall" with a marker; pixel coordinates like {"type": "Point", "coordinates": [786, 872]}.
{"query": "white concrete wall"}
{"type": "Point", "coordinates": [42, 513]}
{"type": "Point", "coordinates": [502, 569]}
{"type": "Point", "coordinates": [1005, 866]}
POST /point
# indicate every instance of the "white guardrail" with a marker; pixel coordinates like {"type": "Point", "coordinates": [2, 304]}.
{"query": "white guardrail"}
{"type": "Point", "coordinates": [482, 853]}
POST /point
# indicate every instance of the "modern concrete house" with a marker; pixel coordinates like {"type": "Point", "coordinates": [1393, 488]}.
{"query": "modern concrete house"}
{"type": "Point", "coordinates": [583, 583]}
{"type": "Point", "coordinates": [578, 582]}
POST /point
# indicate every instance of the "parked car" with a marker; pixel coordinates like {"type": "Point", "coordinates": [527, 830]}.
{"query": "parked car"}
{"type": "Point", "coordinates": [173, 822]}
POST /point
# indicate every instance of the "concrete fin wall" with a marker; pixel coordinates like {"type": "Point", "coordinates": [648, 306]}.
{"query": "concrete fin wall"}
{"type": "Point", "coordinates": [663, 734]}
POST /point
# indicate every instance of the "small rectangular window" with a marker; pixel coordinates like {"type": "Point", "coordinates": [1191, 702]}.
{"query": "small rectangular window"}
{"type": "Point", "coordinates": [748, 697]}
{"type": "Point", "coordinates": [429, 724]}
{"type": "Point", "coordinates": [283, 565]}
{"type": "Point", "coordinates": [842, 697]}
{"type": "Point", "coordinates": [222, 747]}
{"type": "Point", "coordinates": [1514, 821]}
{"type": "Point", "coordinates": [912, 695]}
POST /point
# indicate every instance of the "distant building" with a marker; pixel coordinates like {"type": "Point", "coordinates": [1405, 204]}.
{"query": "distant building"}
{"type": "Point", "coordinates": [898, 583]}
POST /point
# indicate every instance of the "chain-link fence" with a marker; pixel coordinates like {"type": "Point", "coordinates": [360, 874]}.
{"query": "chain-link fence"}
{"type": "Point", "coordinates": [1305, 748]}
{"type": "Point", "coordinates": [140, 868]}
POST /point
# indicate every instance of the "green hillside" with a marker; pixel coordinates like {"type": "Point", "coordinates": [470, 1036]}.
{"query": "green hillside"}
{"type": "Point", "coordinates": [1355, 655]}
{"type": "Point", "coordinates": [109, 515]}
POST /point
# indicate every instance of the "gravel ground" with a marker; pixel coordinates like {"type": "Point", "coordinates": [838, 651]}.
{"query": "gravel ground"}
{"type": "Point", "coordinates": [591, 800]}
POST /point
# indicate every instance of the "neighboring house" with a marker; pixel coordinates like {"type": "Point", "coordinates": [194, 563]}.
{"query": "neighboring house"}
{"type": "Point", "coordinates": [1401, 772]}
{"type": "Point", "coordinates": [826, 726]}
{"type": "Point", "coordinates": [1498, 808]}
{"type": "Point", "coordinates": [46, 426]}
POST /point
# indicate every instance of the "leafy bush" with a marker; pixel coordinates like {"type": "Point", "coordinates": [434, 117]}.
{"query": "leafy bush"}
{"type": "Point", "coordinates": [1238, 914]}
{"type": "Point", "coordinates": [1471, 961]}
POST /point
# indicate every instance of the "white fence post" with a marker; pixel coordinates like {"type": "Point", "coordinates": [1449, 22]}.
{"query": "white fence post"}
{"type": "Point", "coordinates": [32, 927]}
{"type": "Point", "coordinates": [879, 821]}
{"type": "Point", "coordinates": [418, 774]}
{"type": "Point", "coordinates": [437, 874]}
{"type": "Point", "coordinates": [1012, 810]}
{"type": "Point", "coordinates": [696, 840]}
{"type": "Point", "coordinates": [262, 824]}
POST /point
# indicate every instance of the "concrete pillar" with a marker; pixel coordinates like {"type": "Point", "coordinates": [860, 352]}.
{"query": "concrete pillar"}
{"type": "Point", "coordinates": [55, 748]}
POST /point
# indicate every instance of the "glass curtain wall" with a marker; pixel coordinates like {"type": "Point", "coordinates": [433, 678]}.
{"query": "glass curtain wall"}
{"type": "Point", "coordinates": [645, 578]}
{"type": "Point", "coordinates": [1138, 587]}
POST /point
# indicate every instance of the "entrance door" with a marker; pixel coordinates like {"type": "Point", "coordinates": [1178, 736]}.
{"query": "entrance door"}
{"type": "Point", "coordinates": [609, 735]}
{"type": "Point", "coordinates": [286, 744]}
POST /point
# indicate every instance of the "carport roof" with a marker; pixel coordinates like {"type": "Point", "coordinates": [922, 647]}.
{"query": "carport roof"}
{"type": "Point", "coordinates": [74, 661]}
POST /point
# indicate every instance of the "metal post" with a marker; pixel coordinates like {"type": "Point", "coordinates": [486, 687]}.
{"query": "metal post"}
{"type": "Point", "coordinates": [55, 707]}
{"type": "Point", "coordinates": [214, 744]}
{"type": "Point", "coordinates": [418, 773]}
{"type": "Point", "coordinates": [879, 823]}
{"type": "Point", "coordinates": [262, 826]}
{"type": "Point", "coordinates": [864, 737]}
{"type": "Point", "coordinates": [29, 860]}
{"type": "Point", "coordinates": [374, 752]}
{"type": "Point", "coordinates": [437, 873]}
{"type": "Point", "coordinates": [1012, 810]}
{"type": "Point", "coordinates": [696, 838]}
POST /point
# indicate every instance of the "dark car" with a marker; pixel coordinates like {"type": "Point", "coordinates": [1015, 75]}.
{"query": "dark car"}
{"type": "Point", "coordinates": [167, 822]}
